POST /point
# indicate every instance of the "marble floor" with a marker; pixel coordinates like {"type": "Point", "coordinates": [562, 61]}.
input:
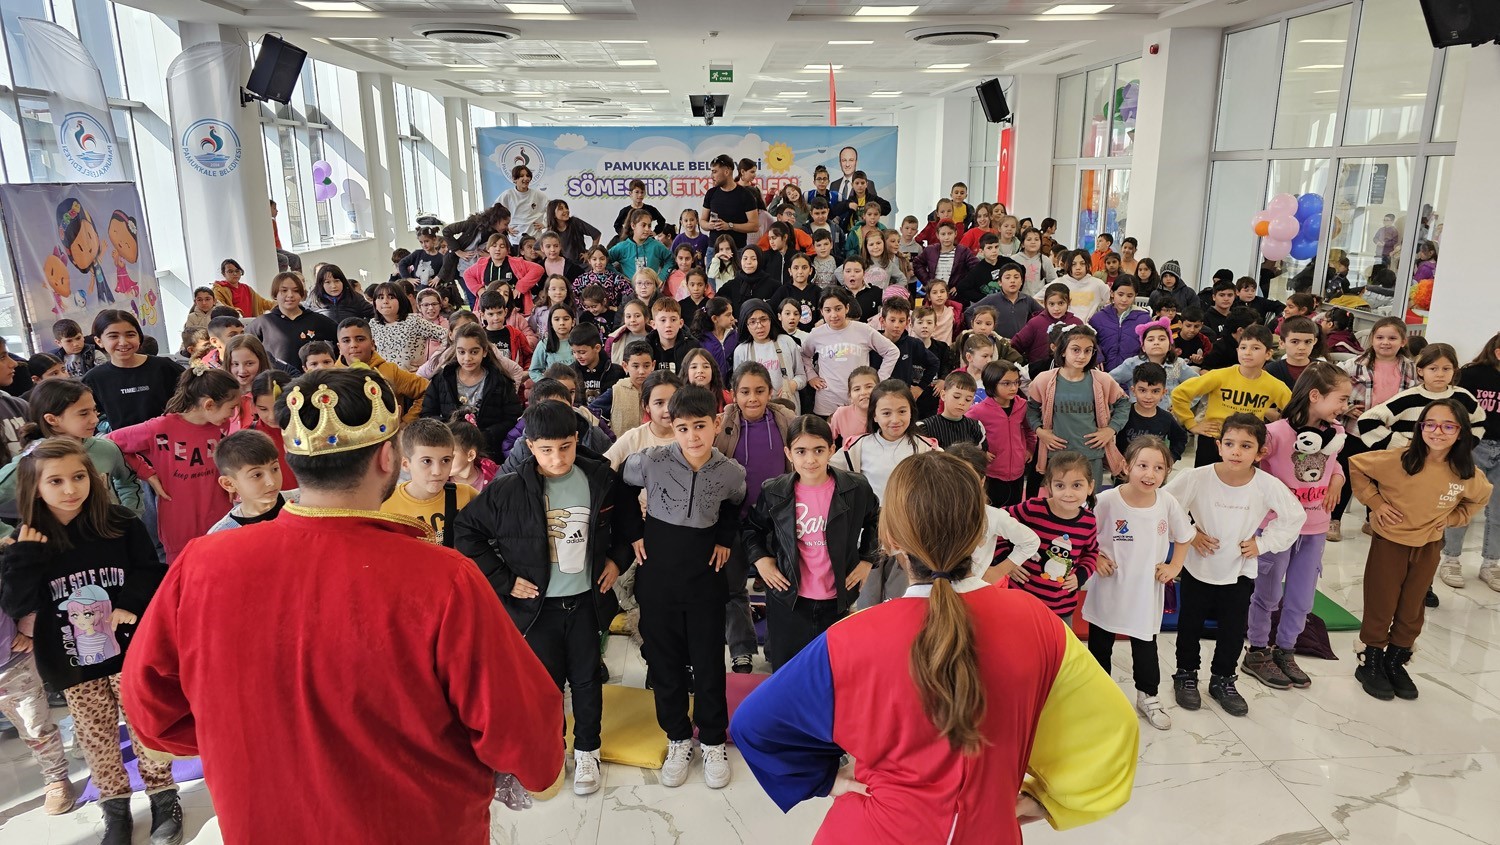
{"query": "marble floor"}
{"type": "Point", "coordinates": [1328, 764]}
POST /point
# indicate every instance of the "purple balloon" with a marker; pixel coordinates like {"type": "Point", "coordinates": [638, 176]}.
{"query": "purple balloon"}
{"type": "Point", "coordinates": [1283, 228]}
{"type": "Point", "coordinates": [321, 170]}
{"type": "Point", "coordinates": [325, 191]}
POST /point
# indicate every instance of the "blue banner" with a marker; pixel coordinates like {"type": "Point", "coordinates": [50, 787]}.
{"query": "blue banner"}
{"type": "Point", "coordinates": [592, 166]}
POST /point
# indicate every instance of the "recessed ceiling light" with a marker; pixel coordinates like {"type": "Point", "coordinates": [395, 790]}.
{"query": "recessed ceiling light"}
{"type": "Point", "coordinates": [885, 93]}
{"type": "Point", "coordinates": [1327, 91]}
{"type": "Point", "coordinates": [852, 108]}
{"type": "Point", "coordinates": [622, 41]}
{"type": "Point", "coordinates": [774, 108]}
{"type": "Point", "coordinates": [1323, 41]}
{"type": "Point", "coordinates": [636, 62]}
{"type": "Point", "coordinates": [332, 6]}
{"type": "Point", "coordinates": [1321, 67]}
{"type": "Point", "coordinates": [851, 42]}
{"type": "Point", "coordinates": [467, 67]}
{"type": "Point", "coordinates": [529, 94]}
{"type": "Point", "coordinates": [954, 66]}
{"type": "Point", "coordinates": [884, 11]}
{"type": "Point", "coordinates": [816, 68]}
{"type": "Point", "coordinates": [1010, 40]}
{"type": "Point", "coordinates": [1421, 96]}
{"type": "Point", "coordinates": [655, 91]}
{"type": "Point", "coordinates": [537, 9]}
{"type": "Point", "coordinates": [1079, 9]}
{"type": "Point", "coordinates": [792, 94]}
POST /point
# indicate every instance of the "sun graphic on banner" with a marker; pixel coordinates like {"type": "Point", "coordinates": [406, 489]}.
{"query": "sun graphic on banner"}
{"type": "Point", "coordinates": [779, 157]}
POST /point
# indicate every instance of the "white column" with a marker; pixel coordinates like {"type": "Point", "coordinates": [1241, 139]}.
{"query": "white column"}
{"type": "Point", "coordinates": [932, 152]}
{"type": "Point", "coordinates": [1173, 139]}
{"type": "Point", "coordinates": [1465, 298]}
{"type": "Point", "coordinates": [456, 116]}
{"type": "Point", "coordinates": [377, 106]}
{"type": "Point", "coordinates": [1034, 106]}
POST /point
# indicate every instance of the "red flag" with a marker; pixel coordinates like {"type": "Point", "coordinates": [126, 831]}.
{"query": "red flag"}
{"type": "Point", "coordinates": [833, 100]}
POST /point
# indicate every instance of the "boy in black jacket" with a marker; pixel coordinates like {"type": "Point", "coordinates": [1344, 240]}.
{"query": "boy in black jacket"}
{"type": "Point", "coordinates": [669, 344]}
{"type": "Point", "coordinates": [693, 496]}
{"type": "Point", "coordinates": [543, 537]}
{"type": "Point", "coordinates": [917, 366]}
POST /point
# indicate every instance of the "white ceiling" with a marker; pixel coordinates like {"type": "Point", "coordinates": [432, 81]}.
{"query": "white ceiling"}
{"type": "Point", "coordinates": [558, 57]}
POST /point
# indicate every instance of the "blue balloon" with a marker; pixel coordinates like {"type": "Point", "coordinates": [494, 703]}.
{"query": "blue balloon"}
{"type": "Point", "coordinates": [1311, 226]}
{"type": "Point", "coordinates": [1308, 205]}
{"type": "Point", "coordinates": [1303, 250]}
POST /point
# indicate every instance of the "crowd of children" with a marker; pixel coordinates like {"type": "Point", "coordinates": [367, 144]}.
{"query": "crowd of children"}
{"type": "Point", "coordinates": [656, 423]}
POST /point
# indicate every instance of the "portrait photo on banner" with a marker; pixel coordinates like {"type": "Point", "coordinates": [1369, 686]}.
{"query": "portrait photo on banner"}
{"type": "Point", "coordinates": [591, 167]}
{"type": "Point", "coordinates": [79, 249]}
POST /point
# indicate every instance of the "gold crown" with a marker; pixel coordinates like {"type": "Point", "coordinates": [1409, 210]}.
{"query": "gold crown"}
{"type": "Point", "coordinates": [333, 435]}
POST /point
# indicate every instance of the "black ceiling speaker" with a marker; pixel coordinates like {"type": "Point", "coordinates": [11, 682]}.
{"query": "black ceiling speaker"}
{"type": "Point", "coordinates": [277, 67]}
{"type": "Point", "coordinates": [992, 99]}
{"type": "Point", "coordinates": [1455, 22]}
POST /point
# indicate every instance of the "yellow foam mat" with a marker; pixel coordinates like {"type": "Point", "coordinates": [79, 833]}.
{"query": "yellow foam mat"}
{"type": "Point", "coordinates": [629, 734]}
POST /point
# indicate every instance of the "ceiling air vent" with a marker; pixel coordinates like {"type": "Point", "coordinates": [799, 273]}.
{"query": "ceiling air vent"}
{"type": "Point", "coordinates": [1059, 59]}
{"type": "Point", "coordinates": [606, 117]}
{"type": "Point", "coordinates": [466, 33]}
{"type": "Point", "coordinates": [583, 102]}
{"type": "Point", "coordinates": [539, 57]}
{"type": "Point", "coordinates": [955, 36]}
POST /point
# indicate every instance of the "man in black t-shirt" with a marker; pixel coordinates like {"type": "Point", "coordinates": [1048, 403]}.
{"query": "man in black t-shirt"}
{"type": "Point", "coordinates": [727, 207]}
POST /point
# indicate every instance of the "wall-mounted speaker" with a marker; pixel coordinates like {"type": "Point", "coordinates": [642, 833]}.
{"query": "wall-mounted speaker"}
{"type": "Point", "coordinates": [1455, 22]}
{"type": "Point", "coordinates": [992, 100]}
{"type": "Point", "coordinates": [277, 67]}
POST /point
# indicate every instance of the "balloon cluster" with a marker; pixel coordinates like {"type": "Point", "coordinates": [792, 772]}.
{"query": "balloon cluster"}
{"type": "Point", "coordinates": [1289, 226]}
{"type": "Point", "coordinates": [323, 186]}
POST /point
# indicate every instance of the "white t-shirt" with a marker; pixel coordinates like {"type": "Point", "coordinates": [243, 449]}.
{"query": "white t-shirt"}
{"type": "Point", "coordinates": [528, 211]}
{"type": "Point", "coordinates": [1001, 524]}
{"type": "Point", "coordinates": [1085, 296]}
{"type": "Point", "coordinates": [878, 459]}
{"type": "Point", "coordinates": [1131, 601]}
{"type": "Point", "coordinates": [1231, 515]}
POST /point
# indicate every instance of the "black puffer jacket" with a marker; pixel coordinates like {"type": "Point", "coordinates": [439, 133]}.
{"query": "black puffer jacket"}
{"type": "Point", "coordinates": [504, 531]}
{"type": "Point", "coordinates": [499, 407]}
{"type": "Point", "coordinates": [853, 531]}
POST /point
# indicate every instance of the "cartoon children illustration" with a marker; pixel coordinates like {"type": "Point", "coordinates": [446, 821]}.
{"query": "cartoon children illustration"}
{"type": "Point", "coordinates": [81, 241]}
{"type": "Point", "coordinates": [55, 270]}
{"type": "Point", "coordinates": [148, 309]}
{"type": "Point", "coordinates": [88, 610]}
{"type": "Point", "coordinates": [125, 249]}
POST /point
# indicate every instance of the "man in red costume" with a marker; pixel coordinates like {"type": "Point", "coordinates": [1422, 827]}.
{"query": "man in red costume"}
{"type": "Point", "coordinates": [344, 678]}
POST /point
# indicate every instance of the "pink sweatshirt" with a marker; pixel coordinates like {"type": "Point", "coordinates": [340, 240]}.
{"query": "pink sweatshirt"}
{"type": "Point", "coordinates": [1285, 462]}
{"type": "Point", "coordinates": [181, 455]}
{"type": "Point", "coordinates": [1006, 436]}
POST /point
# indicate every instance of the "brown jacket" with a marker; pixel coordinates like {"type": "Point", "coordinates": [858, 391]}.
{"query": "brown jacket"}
{"type": "Point", "coordinates": [1430, 501]}
{"type": "Point", "coordinates": [729, 427]}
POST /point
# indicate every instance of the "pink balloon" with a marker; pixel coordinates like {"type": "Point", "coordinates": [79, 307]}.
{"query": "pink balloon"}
{"type": "Point", "coordinates": [1282, 205]}
{"type": "Point", "coordinates": [1284, 228]}
{"type": "Point", "coordinates": [1274, 249]}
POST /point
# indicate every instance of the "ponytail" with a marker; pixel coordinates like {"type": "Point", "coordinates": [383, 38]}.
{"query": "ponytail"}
{"type": "Point", "coordinates": [199, 382]}
{"type": "Point", "coordinates": [933, 512]}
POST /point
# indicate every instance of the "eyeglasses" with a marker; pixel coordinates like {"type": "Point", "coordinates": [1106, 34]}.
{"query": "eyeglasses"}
{"type": "Point", "coordinates": [1444, 427]}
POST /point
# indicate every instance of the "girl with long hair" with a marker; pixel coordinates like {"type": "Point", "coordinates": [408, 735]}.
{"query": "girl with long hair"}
{"type": "Point", "coordinates": [336, 298]}
{"type": "Point", "coordinates": [1384, 370]}
{"type": "Point", "coordinates": [942, 729]}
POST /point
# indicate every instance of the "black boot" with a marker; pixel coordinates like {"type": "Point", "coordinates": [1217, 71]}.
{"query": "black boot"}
{"type": "Point", "coordinates": [1431, 600]}
{"type": "Point", "coordinates": [1395, 669]}
{"type": "Point", "coordinates": [1371, 674]}
{"type": "Point", "coordinates": [166, 818]}
{"type": "Point", "coordinates": [117, 821]}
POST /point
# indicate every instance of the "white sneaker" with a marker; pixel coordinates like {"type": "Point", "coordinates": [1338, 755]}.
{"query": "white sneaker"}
{"type": "Point", "coordinates": [1151, 707]}
{"type": "Point", "coordinates": [585, 772]}
{"type": "Point", "coordinates": [1451, 572]}
{"type": "Point", "coordinates": [716, 766]}
{"type": "Point", "coordinates": [679, 755]}
{"type": "Point", "coordinates": [1489, 573]}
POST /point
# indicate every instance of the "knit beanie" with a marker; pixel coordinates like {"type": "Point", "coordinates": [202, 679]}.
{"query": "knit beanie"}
{"type": "Point", "coordinates": [1174, 268]}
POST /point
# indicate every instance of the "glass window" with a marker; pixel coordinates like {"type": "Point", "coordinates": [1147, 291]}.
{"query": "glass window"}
{"type": "Point", "coordinates": [1370, 204]}
{"type": "Point", "coordinates": [1069, 118]}
{"type": "Point", "coordinates": [121, 120]}
{"type": "Point", "coordinates": [1234, 192]}
{"type": "Point", "coordinates": [11, 12]}
{"type": "Point", "coordinates": [1423, 263]}
{"type": "Point", "coordinates": [1127, 96]}
{"type": "Point", "coordinates": [1116, 201]}
{"type": "Point", "coordinates": [41, 141]}
{"type": "Point", "coordinates": [1311, 71]}
{"type": "Point", "coordinates": [1451, 93]}
{"type": "Point", "coordinates": [1392, 62]}
{"type": "Point", "coordinates": [1090, 207]}
{"type": "Point", "coordinates": [96, 29]}
{"type": "Point", "coordinates": [1295, 176]}
{"type": "Point", "coordinates": [1247, 100]}
{"type": "Point", "coordinates": [1098, 100]}
{"type": "Point", "coordinates": [13, 167]}
{"type": "Point", "coordinates": [1062, 199]}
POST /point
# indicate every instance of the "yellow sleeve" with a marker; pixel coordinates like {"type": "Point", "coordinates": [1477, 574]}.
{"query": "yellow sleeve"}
{"type": "Point", "coordinates": [262, 305]}
{"type": "Point", "coordinates": [409, 386]}
{"type": "Point", "coordinates": [1082, 765]}
{"type": "Point", "coordinates": [1184, 394]}
{"type": "Point", "coordinates": [1281, 395]}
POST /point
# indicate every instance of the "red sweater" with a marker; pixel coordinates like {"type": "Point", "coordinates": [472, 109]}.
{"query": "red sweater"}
{"type": "Point", "coordinates": [396, 683]}
{"type": "Point", "coordinates": [181, 455]}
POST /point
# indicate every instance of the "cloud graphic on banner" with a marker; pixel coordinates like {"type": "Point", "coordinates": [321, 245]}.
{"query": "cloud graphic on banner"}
{"type": "Point", "coordinates": [570, 141]}
{"type": "Point", "coordinates": [495, 157]}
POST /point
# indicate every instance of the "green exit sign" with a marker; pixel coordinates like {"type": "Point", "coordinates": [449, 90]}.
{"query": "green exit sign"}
{"type": "Point", "coordinates": [720, 74]}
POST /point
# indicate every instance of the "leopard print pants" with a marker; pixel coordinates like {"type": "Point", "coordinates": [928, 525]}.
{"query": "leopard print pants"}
{"type": "Point", "coordinates": [96, 712]}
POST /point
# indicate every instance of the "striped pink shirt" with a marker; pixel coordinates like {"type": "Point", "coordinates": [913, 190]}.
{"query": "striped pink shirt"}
{"type": "Point", "coordinates": [1067, 546]}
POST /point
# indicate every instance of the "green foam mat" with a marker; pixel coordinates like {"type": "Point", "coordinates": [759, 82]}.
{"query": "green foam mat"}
{"type": "Point", "coordinates": [1334, 616]}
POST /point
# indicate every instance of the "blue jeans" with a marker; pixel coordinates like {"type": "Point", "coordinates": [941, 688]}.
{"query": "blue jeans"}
{"type": "Point", "coordinates": [1487, 460]}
